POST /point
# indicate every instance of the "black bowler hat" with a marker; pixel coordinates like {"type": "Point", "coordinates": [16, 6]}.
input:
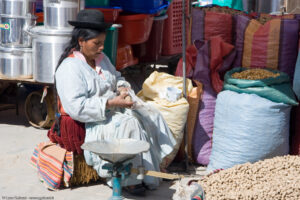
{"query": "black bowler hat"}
{"type": "Point", "coordinates": [92, 19]}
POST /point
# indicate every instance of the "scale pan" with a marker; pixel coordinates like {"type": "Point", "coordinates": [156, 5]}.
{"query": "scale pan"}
{"type": "Point", "coordinates": [116, 150]}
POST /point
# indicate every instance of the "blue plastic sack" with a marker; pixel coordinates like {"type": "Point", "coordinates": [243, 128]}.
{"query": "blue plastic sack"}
{"type": "Point", "coordinates": [138, 6]}
{"type": "Point", "coordinates": [248, 128]}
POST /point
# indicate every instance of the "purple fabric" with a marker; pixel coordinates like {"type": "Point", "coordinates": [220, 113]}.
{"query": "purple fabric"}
{"type": "Point", "coordinates": [197, 24]}
{"type": "Point", "coordinates": [289, 36]}
{"type": "Point", "coordinates": [202, 139]}
{"type": "Point", "coordinates": [297, 16]}
{"type": "Point", "coordinates": [241, 25]}
{"type": "Point", "coordinates": [227, 64]}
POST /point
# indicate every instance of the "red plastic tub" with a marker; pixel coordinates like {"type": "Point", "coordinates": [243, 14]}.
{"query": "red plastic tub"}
{"type": "Point", "coordinates": [125, 57]}
{"type": "Point", "coordinates": [40, 18]}
{"type": "Point", "coordinates": [172, 36]}
{"type": "Point", "coordinates": [135, 28]}
{"type": "Point", "coordinates": [151, 49]}
{"type": "Point", "coordinates": [110, 14]}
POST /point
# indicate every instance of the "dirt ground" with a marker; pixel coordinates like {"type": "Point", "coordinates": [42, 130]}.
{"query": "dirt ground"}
{"type": "Point", "coordinates": [18, 180]}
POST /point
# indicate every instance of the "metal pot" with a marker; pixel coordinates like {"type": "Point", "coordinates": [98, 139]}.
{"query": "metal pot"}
{"type": "Point", "coordinates": [15, 34]}
{"type": "Point", "coordinates": [249, 5]}
{"type": "Point", "coordinates": [268, 6]}
{"type": "Point", "coordinates": [292, 6]}
{"type": "Point", "coordinates": [47, 46]}
{"type": "Point", "coordinates": [18, 7]}
{"type": "Point", "coordinates": [16, 62]}
{"type": "Point", "coordinates": [58, 13]}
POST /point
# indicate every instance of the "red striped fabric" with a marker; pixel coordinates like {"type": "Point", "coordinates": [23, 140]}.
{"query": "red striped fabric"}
{"type": "Point", "coordinates": [52, 171]}
{"type": "Point", "coordinates": [261, 44]}
{"type": "Point", "coordinates": [259, 47]}
{"type": "Point", "coordinates": [72, 134]}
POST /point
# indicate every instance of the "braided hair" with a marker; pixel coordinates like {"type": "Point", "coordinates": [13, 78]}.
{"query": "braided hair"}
{"type": "Point", "coordinates": [73, 45]}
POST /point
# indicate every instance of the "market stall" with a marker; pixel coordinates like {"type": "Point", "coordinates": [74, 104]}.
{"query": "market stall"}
{"type": "Point", "coordinates": [232, 83]}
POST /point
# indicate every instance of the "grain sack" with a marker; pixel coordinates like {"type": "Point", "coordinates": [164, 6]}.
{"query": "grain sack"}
{"type": "Point", "coordinates": [197, 24]}
{"type": "Point", "coordinates": [204, 124]}
{"type": "Point", "coordinates": [276, 179]}
{"type": "Point", "coordinates": [194, 99]}
{"type": "Point", "coordinates": [214, 58]}
{"type": "Point", "coordinates": [254, 74]}
{"type": "Point", "coordinates": [270, 45]}
{"type": "Point", "coordinates": [221, 9]}
{"type": "Point", "coordinates": [264, 17]}
{"type": "Point", "coordinates": [191, 58]}
{"type": "Point", "coordinates": [174, 113]}
{"type": "Point", "coordinates": [248, 128]}
{"type": "Point", "coordinates": [277, 89]}
{"type": "Point", "coordinates": [206, 24]}
{"type": "Point", "coordinates": [222, 55]}
{"type": "Point", "coordinates": [241, 24]}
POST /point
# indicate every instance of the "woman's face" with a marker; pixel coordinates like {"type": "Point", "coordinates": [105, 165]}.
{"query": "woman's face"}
{"type": "Point", "coordinates": [92, 47]}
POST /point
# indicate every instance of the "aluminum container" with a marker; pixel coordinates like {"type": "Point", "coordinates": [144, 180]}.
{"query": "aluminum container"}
{"type": "Point", "coordinates": [18, 7]}
{"type": "Point", "coordinates": [16, 62]}
{"type": "Point", "coordinates": [268, 6]}
{"type": "Point", "coordinates": [292, 6]}
{"type": "Point", "coordinates": [15, 35]}
{"type": "Point", "coordinates": [249, 5]}
{"type": "Point", "coordinates": [47, 47]}
{"type": "Point", "coordinates": [58, 13]}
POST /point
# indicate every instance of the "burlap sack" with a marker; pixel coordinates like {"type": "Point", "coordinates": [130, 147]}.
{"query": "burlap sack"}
{"type": "Point", "coordinates": [194, 99]}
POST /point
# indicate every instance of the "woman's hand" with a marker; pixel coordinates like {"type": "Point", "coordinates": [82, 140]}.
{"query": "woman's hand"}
{"type": "Point", "coordinates": [120, 101]}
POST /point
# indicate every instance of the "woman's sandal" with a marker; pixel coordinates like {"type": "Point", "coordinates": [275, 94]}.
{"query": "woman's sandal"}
{"type": "Point", "coordinates": [137, 190]}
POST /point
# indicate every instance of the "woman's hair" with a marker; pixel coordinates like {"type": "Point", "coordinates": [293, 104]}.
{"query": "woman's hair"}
{"type": "Point", "coordinates": [73, 45]}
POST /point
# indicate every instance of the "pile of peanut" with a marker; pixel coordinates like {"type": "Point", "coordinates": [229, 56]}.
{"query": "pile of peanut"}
{"type": "Point", "coordinates": [271, 179]}
{"type": "Point", "coordinates": [220, 9]}
{"type": "Point", "coordinates": [254, 74]}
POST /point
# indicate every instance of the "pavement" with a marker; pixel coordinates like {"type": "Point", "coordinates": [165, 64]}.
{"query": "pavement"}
{"type": "Point", "coordinates": [19, 180]}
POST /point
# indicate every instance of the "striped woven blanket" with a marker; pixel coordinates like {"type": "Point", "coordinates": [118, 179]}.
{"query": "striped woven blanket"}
{"type": "Point", "coordinates": [54, 165]}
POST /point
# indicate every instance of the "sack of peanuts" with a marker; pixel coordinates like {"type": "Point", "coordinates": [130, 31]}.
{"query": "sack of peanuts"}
{"type": "Point", "coordinates": [271, 84]}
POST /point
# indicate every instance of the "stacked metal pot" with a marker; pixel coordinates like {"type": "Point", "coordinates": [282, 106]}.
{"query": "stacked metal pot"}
{"type": "Point", "coordinates": [49, 41]}
{"type": "Point", "coordinates": [269, 6]}
{"type": "Point", "coordinates": [16, 18]}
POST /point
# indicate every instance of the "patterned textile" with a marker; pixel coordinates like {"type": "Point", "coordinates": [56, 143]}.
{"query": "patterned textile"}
{"type": "Point", "coordinates": [271, 45]}
{"type": "Point", "coordinates": [72, 134]}
{"type": "Point", "coordinates": [54, 165]}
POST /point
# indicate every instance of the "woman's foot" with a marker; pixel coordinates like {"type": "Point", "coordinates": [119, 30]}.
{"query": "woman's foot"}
{"type": "Point", "coordinates": [137, 190]}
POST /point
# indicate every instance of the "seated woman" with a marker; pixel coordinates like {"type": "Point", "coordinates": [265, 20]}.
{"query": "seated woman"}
{"type": "Point", "coordinates": [87, 85]}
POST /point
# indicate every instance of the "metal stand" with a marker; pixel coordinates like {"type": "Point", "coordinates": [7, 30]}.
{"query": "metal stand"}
{"type": "Point", "coordinates": [118, 172]}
